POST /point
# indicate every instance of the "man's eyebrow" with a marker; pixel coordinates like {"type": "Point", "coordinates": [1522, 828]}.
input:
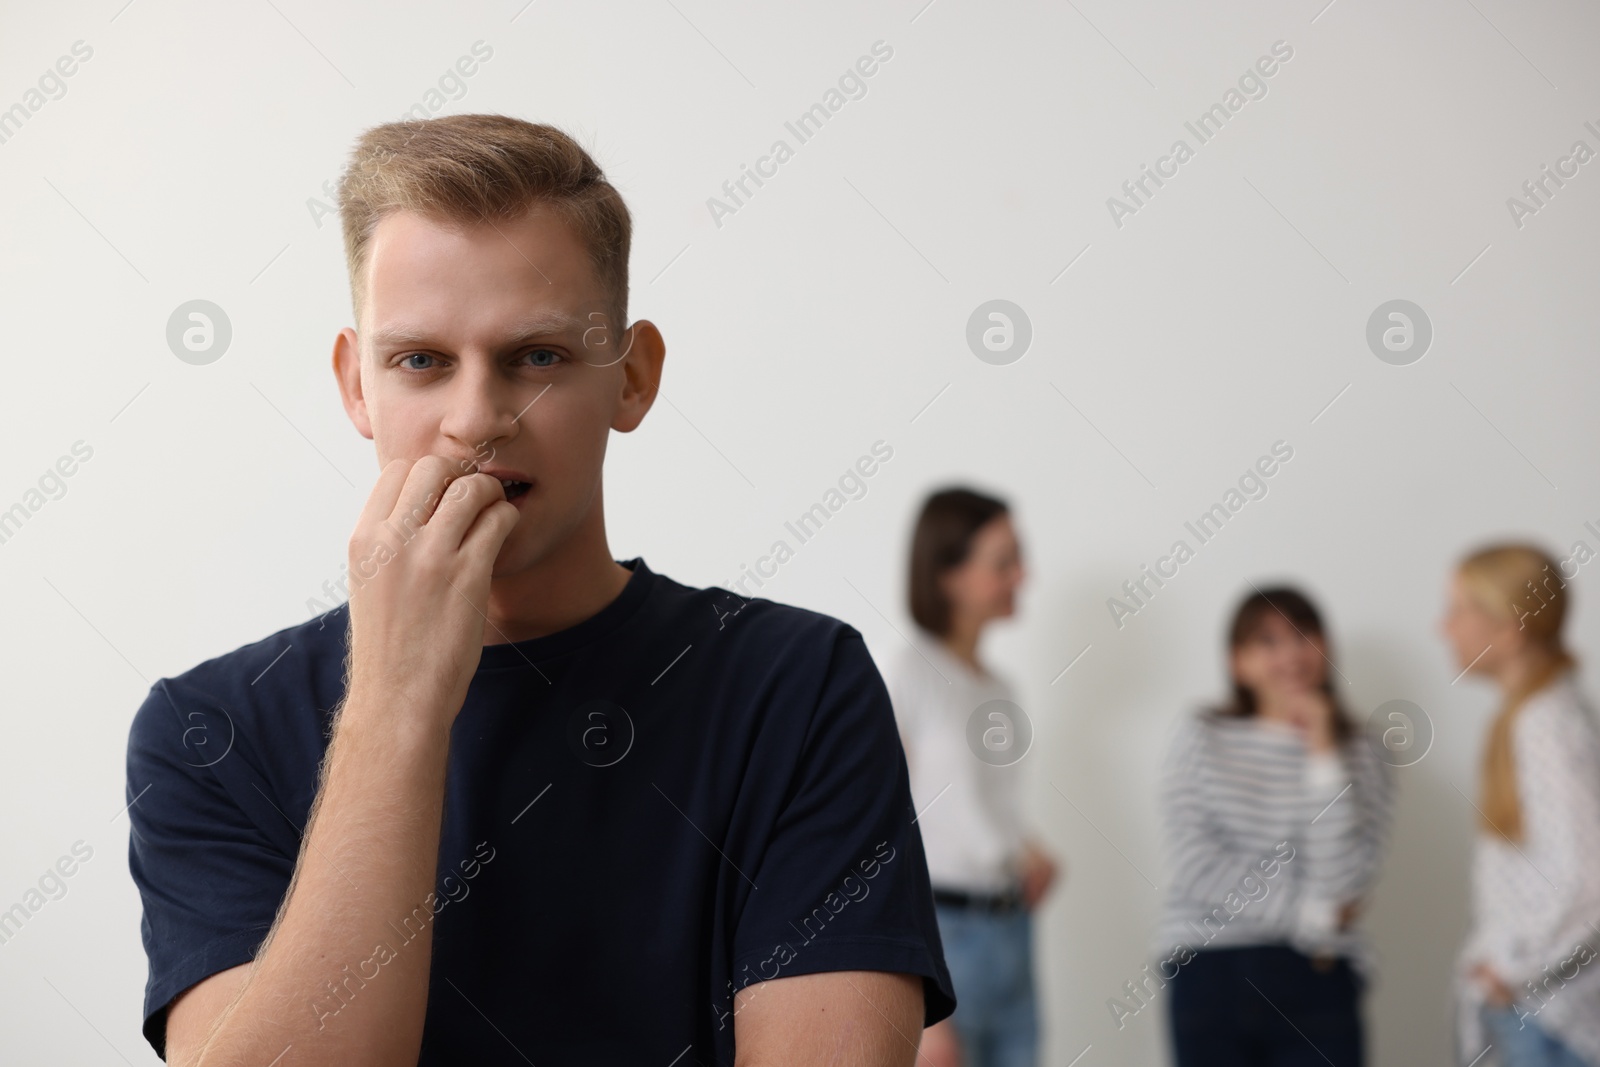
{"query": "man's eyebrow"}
{"type": "Point", "coordinates": [543, 325]}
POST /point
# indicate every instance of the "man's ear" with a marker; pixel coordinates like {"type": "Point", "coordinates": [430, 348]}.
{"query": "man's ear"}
{"type": "Point", "coordinates": [641, 370]}
{"type": "Point", "coordinates": [347, 371]}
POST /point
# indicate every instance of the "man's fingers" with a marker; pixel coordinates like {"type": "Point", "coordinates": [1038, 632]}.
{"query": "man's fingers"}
{"type": "Point", "coordinates": [385, 492]}
{"type": "Point", "coordinates": [436, 492]}
{"type": "Point", "coordinates": [424, 487]}
{"type": "Point", "coordinates": [490, 528]}
{"type": "Point", "coordinates": [463, 501]}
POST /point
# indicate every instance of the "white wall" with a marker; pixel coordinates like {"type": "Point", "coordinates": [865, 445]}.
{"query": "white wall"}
{"type": "Point", "coordinates": [829, 312]}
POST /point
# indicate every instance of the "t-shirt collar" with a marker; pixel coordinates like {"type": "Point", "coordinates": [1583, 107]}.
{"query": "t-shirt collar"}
{"type": "Point", "coordinates": [526, 653]}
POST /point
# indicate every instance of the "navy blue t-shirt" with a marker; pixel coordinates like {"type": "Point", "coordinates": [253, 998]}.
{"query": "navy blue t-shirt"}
{"type": "Point", "coordinates": [685, 793]}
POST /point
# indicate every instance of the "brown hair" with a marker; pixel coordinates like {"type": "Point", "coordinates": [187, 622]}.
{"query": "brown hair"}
{"type": "Point", "coordinates": [468, 169]}
{"type": "Point", "coordinates": [1512, 581]}
{"type": "Point", "coordinates": [1303, 615]}
{"type": "Point", "coordinates": [942, 540]}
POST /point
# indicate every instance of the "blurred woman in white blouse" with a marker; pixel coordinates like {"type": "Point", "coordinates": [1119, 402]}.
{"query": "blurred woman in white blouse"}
{"type": "Point", "coordinates": [964, 737]}
{"type": "Point", "coordinates": [1528, 976]}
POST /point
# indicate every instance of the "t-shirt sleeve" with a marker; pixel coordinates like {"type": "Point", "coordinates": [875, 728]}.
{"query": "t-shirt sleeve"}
{"type": "Point", "coordinates": [209, 876]}
{"type": "Point", "coordinates": [843, 883]}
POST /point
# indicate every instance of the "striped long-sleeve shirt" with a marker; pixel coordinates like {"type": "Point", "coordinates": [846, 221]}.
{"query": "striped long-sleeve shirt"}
{"type": "Point", "coordinates": [1266, 840]}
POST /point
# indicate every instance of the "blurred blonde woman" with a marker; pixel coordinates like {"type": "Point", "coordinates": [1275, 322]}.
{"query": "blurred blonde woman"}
{"type": "Point", "coordinates": [1528, 976]}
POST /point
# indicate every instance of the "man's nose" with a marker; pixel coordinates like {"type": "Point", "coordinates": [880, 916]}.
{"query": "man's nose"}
{"type": "Point", "coordinates": [481, 408]}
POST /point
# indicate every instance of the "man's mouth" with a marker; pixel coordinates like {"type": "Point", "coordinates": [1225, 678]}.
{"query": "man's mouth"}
{"type": "Point", "coordinates": [515, 483]}
{"type": "Point", "coordinates": [514, 489]}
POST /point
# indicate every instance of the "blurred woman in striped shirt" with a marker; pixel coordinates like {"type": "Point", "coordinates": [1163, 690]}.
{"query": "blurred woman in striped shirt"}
{"type": "Point", "coordinates": [1276, 810]}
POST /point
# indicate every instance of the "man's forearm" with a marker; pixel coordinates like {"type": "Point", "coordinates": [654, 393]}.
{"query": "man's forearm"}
{"type": "Point", "coordinates": [334, 979]}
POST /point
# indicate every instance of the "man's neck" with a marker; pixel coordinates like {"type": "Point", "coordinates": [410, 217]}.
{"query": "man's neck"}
{"type": "Point", "coordinates": [558, 592]}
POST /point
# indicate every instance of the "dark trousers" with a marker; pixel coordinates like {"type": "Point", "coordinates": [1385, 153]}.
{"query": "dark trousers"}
{"type": "Point", "coordinates": [1266, 1006]}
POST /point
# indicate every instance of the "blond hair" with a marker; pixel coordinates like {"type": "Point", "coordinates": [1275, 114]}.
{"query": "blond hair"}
{"type": "Point", "coordinates": [1515, 581]}
{"type": "Point", "coordinates": [473, 168]}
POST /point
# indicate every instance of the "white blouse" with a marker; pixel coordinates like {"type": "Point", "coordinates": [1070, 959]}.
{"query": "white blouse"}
{"type": "Point", "coordinates": [1536, 903]}
{"type": "Point", "coordinates": [969, 810]}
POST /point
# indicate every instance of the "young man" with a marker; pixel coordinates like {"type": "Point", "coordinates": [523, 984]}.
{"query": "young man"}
{"type": "Point", "coordinates": [517, 801]}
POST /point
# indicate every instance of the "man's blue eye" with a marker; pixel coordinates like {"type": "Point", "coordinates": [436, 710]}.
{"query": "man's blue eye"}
{"type": "Point", "coordinates": [538, 352]}
{"type": "Point", "coordinates": [415, 355]}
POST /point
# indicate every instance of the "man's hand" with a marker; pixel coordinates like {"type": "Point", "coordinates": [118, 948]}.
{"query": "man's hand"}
{"type": "Point", "coordinates": [420, 560]}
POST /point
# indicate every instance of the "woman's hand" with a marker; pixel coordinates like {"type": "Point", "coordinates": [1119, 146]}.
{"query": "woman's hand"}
{"type": "Point", "coordinates": [941, 1046]}
{"type": "Point", "coordinates": [1311, 712]}
{"type": "Point", "coordinates": [1494, 990]}
{"type": "Point", "coordinates": [1038, 873]}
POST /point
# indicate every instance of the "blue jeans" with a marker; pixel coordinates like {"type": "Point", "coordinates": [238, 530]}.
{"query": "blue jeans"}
{"type": "Point", "coordinates": [1521, 1042]}
{"type": "Point", "coordinates": [991, 966]}
{"type": "Point", "coordinates": [1265, 1006]}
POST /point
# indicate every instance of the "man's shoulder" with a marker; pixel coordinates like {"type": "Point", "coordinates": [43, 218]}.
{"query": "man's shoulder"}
{"type": "Point", "coordinates": [258, 663]}
{"type": "Point", "coordinates": [779, 630]}
{"type": "Point", "coordinates": [302, 660]}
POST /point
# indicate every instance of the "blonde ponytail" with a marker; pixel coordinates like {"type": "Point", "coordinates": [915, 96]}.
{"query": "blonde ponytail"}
{"type": "Point", "coordinates": [1516, 582]}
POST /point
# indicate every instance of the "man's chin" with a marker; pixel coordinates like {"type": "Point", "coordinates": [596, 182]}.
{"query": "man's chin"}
{"type": "Point", "coordinates": [515, 556]}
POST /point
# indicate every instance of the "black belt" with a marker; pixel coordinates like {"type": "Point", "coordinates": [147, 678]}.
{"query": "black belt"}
{"type": "Point", "coordinates": [993, 903]}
